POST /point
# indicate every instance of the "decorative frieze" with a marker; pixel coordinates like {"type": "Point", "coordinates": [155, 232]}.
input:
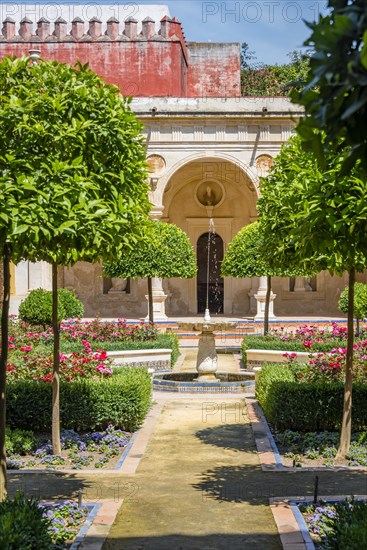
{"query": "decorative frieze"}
{"type": "Point", "coordinates": [264, 133]}
{"type": "Point", "coordinates": [176, 133]}
{"type": "Point", "coordinates": [217, 133]}
{"type": "Point", "coordinates": [198, 133]}
{"type": "Point", "coordinates": [242, 133]}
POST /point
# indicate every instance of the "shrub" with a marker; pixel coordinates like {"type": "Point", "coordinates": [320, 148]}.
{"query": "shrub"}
{"type": "Point", "coordinates": [27, 363]}
{"type": "Point", "coordinates": [36, 308]}
{"type": "Point", "coordinates": [122, 400]}
{"type": "Point", "coordinates": [70, 302]}
{"type": "Point", "coordinates": [21, 442]}
{"type": "Point", "coordinates": [23, 525]}
{"type": "Point", "coordinates": [307, 407]}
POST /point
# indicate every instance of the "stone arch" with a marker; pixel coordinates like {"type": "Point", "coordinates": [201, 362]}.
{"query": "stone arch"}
{"type": "Point", "coordinates": [249, 171]}
{"type": "Point", "coordinates": [234, 188]}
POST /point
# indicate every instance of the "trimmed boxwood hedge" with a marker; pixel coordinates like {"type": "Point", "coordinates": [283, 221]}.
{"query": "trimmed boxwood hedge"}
{"type": "Point", "coordinates": [305, 406]}
{"type": "Point", "coordinates": [274, 343]}
{"type": "Point", "coordinates": [122, 400]}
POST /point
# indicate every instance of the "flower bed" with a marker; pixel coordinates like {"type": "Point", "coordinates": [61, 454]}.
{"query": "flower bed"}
{"type": "Point", "coordinates": [89, 450]}
{"type": "Point", "coordinates": [337, 525]}
{"type": "Point", "coordinates": [318, 449]}
{"type": "Point", "coordinates": [27, 363]}
{"type": "Point", "coordinates": [30, 350]}
{"type": "Point", "coordinates": [65, 520]}
{"type": "Point", "coordinates": [310, 338]}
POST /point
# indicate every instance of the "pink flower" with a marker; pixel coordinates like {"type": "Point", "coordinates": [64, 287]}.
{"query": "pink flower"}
{"type": "Point", "coordinates": [26, 348]}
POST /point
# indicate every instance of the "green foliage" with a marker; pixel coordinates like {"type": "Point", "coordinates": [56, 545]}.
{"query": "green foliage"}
{"type": "Point", "coordinates": [306, 407]}
{"type": "Point", "coordinates": [36, 308]}
{"type": "Point", "coordinates": [350, 527]}
{"type": "Point", "coordinates": [360, 301]}
{"type": "Point", "coordinates": [23, 525]}
{"type": "Point", "coordinates": [337, 525]}
{"type": "Point", "coordinates": [122, 400]}
{"type": "Point", "coordinates": [245, 256]}
{"type": "Point", "coordinates": [70, 302]}
{"type": "Point", "coordinates": [72, 164]}
{"type": "Point", "coordinates": [21, 442]}
{"type": "Point", "coordinates": [311, 214]}
{"type": "Point", "coordinates": [338, 105]}
{"type": "Point", "coordinates": [259, 79]}
{"type": "Point", "coordinates": [165, 252]}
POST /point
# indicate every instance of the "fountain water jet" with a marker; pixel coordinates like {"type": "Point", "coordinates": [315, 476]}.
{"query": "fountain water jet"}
{"type": "Point", "coordinates": [206, 378]}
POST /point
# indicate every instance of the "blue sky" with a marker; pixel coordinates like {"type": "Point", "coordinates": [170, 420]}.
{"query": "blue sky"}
{"type": "Point", "coordinates": [272, 28]}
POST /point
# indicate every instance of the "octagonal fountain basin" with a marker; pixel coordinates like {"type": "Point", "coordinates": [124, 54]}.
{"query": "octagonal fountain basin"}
{"type": "Point", "coordinates": [188, 382]}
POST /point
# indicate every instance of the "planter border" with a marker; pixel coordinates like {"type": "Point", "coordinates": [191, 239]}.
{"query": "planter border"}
{"type": "Point", "coordinates": [292, 528]}
{"type": "Point", "coordinates": [267, 450]}
{"type": "Point", "coordinates": [129, 459]}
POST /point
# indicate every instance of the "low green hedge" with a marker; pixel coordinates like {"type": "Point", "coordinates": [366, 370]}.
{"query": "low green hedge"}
{"type": "Point", "coordinates": [122, 400]}
{"type": "Point", "coordinates": [305, 406]}
{"type": "Point", "coordinates": [274, 343]}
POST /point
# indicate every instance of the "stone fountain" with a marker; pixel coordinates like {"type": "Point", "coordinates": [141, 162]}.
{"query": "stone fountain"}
{"type": "Point", "coordinates": [206, 378]}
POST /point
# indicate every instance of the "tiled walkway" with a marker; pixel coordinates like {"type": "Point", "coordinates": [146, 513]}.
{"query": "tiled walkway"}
{"type": "Point", "coordinates": [189, 493]}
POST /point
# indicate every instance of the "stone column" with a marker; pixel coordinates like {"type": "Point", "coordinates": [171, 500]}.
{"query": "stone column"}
{"type": "Point", "coordinates": [159, 298]}
{"type": "Point", "coordinates": [29, 276]}
{"type": "Point", "coordinates": [39, 275]}
{"type": "Point", "coordinates": [261, 298]}
{"type": "Point", "coordinates": [159, 295]}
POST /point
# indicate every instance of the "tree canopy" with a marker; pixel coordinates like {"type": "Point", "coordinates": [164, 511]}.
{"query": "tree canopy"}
{"type": "Point", "coordinates": [72, 181]}
{"type": "Point", "coordinates": [165, 252]}
{"type": "Point", "coordinates": [335, 97]}
{"type": "Point", "coordinates": [246, 256]}
{"type": "Point", "coordinates": [312, 214]}
{"type": "Point", "coordinates": [72, 164]}
{"type": "Point", "coordinates": [260, 79]}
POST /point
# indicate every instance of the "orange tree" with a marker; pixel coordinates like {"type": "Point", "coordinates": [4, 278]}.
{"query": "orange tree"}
{"type": "Point", "coordinates": [72, 182]}
{"type": "Point", "coordinates": [312, 214]}
{"type": "Point", "coordinates": [246, 257]}
{"type": "Point", "coordinates": [164, 252]}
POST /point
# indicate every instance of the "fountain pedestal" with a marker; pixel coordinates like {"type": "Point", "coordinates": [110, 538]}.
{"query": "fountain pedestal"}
{"type": "Point", "coordinates": [207, 362]}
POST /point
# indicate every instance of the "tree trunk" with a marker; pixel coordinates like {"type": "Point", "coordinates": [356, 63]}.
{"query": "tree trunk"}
{"type": "Point", "coordinates": [357, 327]}
{"type": "Point", "coordinates": [267, 305]}
{"type": "Point", "coordinates": [150, 300]}
{"type": "Point", "coordinates": [56, 445]}
{"type": "Point", "coordinates": [346, 431]}
{"type": "Point", "coordinates": [3, 365]}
